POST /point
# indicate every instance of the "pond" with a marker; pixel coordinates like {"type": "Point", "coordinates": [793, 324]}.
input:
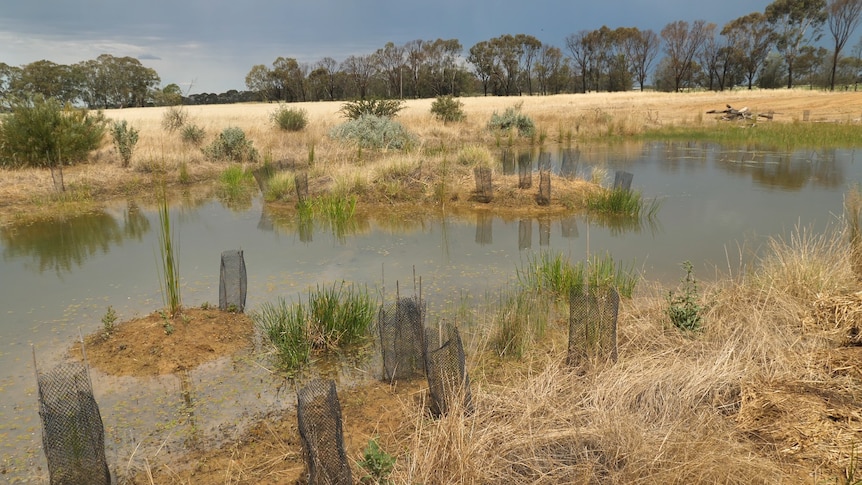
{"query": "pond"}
{"type": "Point", "coordinates": [59, 276]}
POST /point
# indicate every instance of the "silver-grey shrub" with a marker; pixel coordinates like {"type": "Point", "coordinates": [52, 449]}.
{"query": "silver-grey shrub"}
{"type": "Point", "coordinates": [231, 145]}
{"type": "Point", "coordinates": [370, 131]}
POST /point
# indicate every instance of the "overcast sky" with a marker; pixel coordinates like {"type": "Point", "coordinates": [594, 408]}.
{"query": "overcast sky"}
{"type": "Point", "coordinates": [212, 44]}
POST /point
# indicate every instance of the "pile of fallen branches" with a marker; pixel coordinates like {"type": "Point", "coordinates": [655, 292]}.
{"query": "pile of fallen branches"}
{"type": "Point", "coordinates": [732, 114]}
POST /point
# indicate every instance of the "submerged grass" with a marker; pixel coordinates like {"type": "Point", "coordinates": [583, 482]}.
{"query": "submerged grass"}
{"type": "Point", "coordinates": [765, 134]}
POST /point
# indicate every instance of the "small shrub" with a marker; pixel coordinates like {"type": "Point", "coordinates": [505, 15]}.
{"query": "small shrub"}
{"type": "Point", "coordinates": [684, 309]}
{"type": "Point", "coordinates": [382, 108]}
{"type": "Point", "coordinates": [373, 131]}
{"type": "Point", "coordinates": [231, 145]}
{"type": "Point", "coordinates": [377, 463]}
{"type": "Point", "coordinates": [290, 119]}
{"type": "Point", "coordinates": [447, 109]}
{"type": "Point", "coordinates": [108, 320]}
{"type": "Point", "coordinates": [193, 135]}
{"type": "Point", "coordinates": [513, 119]}
{"type": "Point", "coordinates": [125, 138]}
{"type": "Point", "coordinates": [42, 132]}
{"type": "Point", "coordinates": [174, 118]}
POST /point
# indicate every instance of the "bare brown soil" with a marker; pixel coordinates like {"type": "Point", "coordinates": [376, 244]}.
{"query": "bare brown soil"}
{"type": "Point", "coordinates": [157, 344]}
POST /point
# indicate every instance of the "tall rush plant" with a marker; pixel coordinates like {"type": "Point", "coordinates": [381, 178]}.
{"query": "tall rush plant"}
{"type": "Point", "coordinates": [169, 276]}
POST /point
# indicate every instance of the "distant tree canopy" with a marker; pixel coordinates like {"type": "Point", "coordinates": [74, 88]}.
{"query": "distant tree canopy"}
{"type": "Point", "coordinates": [776, 47]}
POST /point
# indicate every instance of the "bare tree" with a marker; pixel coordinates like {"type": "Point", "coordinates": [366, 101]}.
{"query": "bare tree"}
{"type": "Point", "coordinates": [641, 48]}
{"type": "Point", "coordinates": [681, 45]}
{"type": "Point", "coordinates": [795, 23]}
{"type": "Point", "coordinates": [750, 36]}
{"type": "Point", "coordinates": [360, 70]}
{"type": "Point", "coordinates": [843, 18]}
{"type": "Point", "coordinates": [390, 63]}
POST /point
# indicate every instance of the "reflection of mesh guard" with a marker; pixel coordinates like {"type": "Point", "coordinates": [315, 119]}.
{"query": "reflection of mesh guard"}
{"type": "Point", "coordinates": [593, 325]}
{"type": "Point", "coordinates": [401, 336]}
{"type": "Point", "coordinates": [484, 189]}
{"type": "Point", "coordinates": [525, 171]}
{"type": "Point", "coordinates": [233, 281]}
{"type": "Point", "coordinates": [73, 436]}
{"type": "Point", "coordinates": [446, 368]}
{"type": "Point", "coordinates": [544, 197]}
{"type": "Point", "coordinates": [318, 414]}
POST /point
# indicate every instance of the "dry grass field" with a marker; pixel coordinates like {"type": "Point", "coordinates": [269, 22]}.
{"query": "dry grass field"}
{"type": "Point", "coordinates": [161, 156]}
{"type": "Point", "coordinates": [769, 392]}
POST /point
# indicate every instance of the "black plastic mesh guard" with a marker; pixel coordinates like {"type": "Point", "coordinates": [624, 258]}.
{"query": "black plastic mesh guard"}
{"type": "Point", "coordinates": [73, 436]}
{"type": "Point", "coordinates": [446, 369]}
{"type": "Point", "coordinates": [401, 335]}
{"type": "Point", "coordinates": [318, 414]}
{"type": "Point", "coordinates": [593, 325]}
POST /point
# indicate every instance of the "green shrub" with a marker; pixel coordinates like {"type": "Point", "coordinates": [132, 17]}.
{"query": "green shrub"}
{"type": "Point", "coordinates": [372, 131]}
{"type": "Point", "coordinates": [231, 145]}
{"type": "Point", "coordinates": [174, 118]}
{"type": "Point", "coordinates": [684, 309]}
{"type": "Point", "coordinates": [125, 138]}
{"type": "Point", "coordinates": [193, 135]}
{"type": "Point", "coordinates": [377, 463]}
{"type": "Point", "coordinates": [513, 119]}
{"type": "Point", "coordinates": [447, 108]}
{"type": "Point", "coordinates": [290, 119]}
{"type": "Point", "coordinates": [41, 132]}
{"type": "Point", "coordinates": [383, 108]}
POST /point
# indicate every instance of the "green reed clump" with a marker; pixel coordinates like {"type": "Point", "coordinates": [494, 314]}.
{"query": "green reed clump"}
{"type": "Point", "coordinates": [279, 186]}
{"type": "Point", "coordinates": [622, 202]}
{"type": "Point", "coordinates": [285, 327]}
{"type": "Point", "coordinates": [555, 273]}
{"type": "Point", "coordinates": [340, 315]}
{"type": "Point", "coordinates": [169, 277]}
{"type": "Point", "coordinates": [236, 182]}
{"type": "Point", "coordinates": [521, 318]}
{"type": "Point", "coordinates": [331, 318]}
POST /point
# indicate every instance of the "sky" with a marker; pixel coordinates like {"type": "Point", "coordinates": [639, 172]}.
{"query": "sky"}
{"type": "Point", "coordinates": [210, 45]}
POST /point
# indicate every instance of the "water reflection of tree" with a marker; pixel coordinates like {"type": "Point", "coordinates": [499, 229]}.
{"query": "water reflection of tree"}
{"type": "Point", "coordinates": [786, 170]}
{"type": "Point", "coordinates": [61, 242]}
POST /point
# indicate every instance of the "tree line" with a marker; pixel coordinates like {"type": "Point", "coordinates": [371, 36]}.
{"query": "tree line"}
{"type": "Point", "coordinates": [780, 46]}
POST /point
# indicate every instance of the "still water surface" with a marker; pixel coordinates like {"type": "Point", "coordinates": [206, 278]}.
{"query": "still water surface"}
{"type": "Point", "coordinates": [59, 276]}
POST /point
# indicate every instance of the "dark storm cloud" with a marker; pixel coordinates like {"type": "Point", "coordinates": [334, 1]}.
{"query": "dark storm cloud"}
{"type": "Point", "coordinates": [214, 43]}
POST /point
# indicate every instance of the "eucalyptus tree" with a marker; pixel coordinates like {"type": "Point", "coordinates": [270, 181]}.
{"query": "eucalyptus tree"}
{"type": "Point", "coordinates": [750, 37]}
{"type": "Point", "coordinates": [587, 50]}
{"type": "Point", "coordinates": [682, 43]}
{"type": "Point", "coordinates": [415, 51]}
{"type": "Point", "coordinates": [48, 79]}
{"type": "Point", "coordinates": [289, 79]}
{"type": "Point", "coordinates": [359, 71]}
{"type": "Point", "coordinates": [260, 80]}
{"type": "Point", "coordinates": [550, 70]}
{"type": "Point", "coordinates": [481, 57]}
{"type": "Point", "coordinates": [795, 24]}
{"type": "Point", "coordinates": [323, 79]}
{"type": "Point", "coordinates": [714, 59]}
{"type": "Point", "coordinates": [529, 50]}
{"type": "Point", "coordinates": [8, 76]}
{"type": "Point", "coordinates": [641, 48]}
{"type": "Point", "coordinates": [391, 60]}
{"type": "Point", "coordinates": [842, 18]}
{"type": "Point", "coordinates": [440, 69]}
